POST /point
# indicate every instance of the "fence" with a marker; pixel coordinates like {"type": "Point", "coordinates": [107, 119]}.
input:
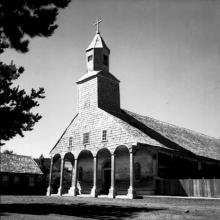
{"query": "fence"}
{"type": "Point", "coordinates": [188, 187]}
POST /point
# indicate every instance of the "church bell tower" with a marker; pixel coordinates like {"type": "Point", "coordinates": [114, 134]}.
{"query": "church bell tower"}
{"type": "Point", "coordinates": [97, 53]}
{"type": "Point", "coordinates": [98, 87]}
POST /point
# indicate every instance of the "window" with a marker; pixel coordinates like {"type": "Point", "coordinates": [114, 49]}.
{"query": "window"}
{"type": "Point", "coordinates": [80, 177]}
{"type": "Point", "coordinates": [5, 180]}
{"type": "Point", "coordinates": [104, 135]}
{"type": "Point", "coordinates": [31, 181]}
{"type": "Point", "coordinates": [86, 138]}
{"type": "Point", "coordinates": [70, 141]}
{"type": "Point", "coordinates": [137, 171]}
{"type": "Point", "coordinates": [105, 60]}
{"type": "Point", "coordinates": [89, 58]}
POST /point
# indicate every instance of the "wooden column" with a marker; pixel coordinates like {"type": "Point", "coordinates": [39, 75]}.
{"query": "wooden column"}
{"type": "Point", "coordinates": [131, 191]}
{"type": "Point", "coordinates": [94, 189]}
{"type": "Point", "coordinates": [50, 177]}
{"type": "Point", "coordinates": [112, 191]}
{"type": "Point", "coordinates": [74, 189]}
{"type": "Point", "coordinates": [61, 176]}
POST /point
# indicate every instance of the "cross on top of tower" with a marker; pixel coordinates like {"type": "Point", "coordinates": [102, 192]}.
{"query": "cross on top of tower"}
{"type": "Point", "coordinates": [97, 25]}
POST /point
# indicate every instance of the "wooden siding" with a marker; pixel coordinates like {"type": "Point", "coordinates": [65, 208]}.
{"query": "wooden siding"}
{"type": "Point", "coordinates": [188, 187]}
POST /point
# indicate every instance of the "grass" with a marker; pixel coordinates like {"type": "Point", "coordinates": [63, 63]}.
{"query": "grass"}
{"type": "Point", "coordinates": [57, 208]}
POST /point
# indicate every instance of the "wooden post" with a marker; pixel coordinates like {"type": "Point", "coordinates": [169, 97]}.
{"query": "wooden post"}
{"type": "Point", "coordinates": [50, 177]}
{"type": "Point", "coordinates": [74, 189]}
{"type": "Point", "coordinates": [131, 191]}
{"type": "Point", "coordinates": [94, 189]}
{"type": "Point", "coordinates": [112, 191]}
{"type": "Point", "coordinates": [61, 176]}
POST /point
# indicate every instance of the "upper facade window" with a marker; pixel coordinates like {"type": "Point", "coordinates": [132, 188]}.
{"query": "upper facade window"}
{"type": "Point", "coordinates": [104, 135]}
{"type": "Point", "coordinates": [105, 60]}
{"type": "Point", "coordinates": [89, 58]}
{"type": "Point", "coordinates": [70, 141]}
{"type": "Point", "coordinates": [86, 138]}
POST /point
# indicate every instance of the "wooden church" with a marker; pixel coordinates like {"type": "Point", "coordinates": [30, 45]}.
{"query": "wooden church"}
{"type": "Point", "coordinates": [109, 151]}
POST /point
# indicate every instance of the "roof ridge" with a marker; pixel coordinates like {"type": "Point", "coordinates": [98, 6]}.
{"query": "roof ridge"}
{"type": "Point", "coordinates": [124, 127]}
{"type": "Point", "coordinates": [173, 125]}
{"type": "Point", "coordinates": [63, 133]}
{"type": "Point", "coordinates": [18, 155]}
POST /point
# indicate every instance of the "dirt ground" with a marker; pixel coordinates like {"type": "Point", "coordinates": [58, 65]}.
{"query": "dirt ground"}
{"type": "Point", "coordinates": [57, 208]}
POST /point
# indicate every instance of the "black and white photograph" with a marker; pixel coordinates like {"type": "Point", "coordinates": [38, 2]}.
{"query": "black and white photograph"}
{"type": "Point", "coordinates": [109, 109]}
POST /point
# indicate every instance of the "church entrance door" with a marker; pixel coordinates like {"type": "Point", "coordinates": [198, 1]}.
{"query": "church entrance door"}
{"type": "Point", "coordinates": [107, 180]}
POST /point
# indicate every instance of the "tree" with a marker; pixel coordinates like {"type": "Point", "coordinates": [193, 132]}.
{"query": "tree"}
{"type": "Point", "coordinates": [8, 152]}
{"type": "Point", "coordinates": [20, 21]}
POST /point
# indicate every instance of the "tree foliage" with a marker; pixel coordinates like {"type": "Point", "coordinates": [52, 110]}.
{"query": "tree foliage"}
{"type": "Point", "coordinates": [8, 152]}
{"type": "Point", "coordinates": [21, 20]}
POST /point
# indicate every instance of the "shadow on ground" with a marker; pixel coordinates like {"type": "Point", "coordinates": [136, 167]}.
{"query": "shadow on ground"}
{"type": "Point", "coordinates": [102, 212]}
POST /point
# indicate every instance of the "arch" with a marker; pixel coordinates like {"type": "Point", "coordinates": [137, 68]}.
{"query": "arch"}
{"type": "Point", "coordinates": [121, 148]}
{"type": "Point", "coordinates": [56, 157]}
{"type": "Point", "coordinates": [83, 153]}
{"type": "Point", "coordinates": [122, 169]}
{"type": "Point", "coordinates": [67, 171]}
{"type": "Point", "coordinates": [69, 156]}
{"type": "Point", "coordinates": [103, 171]}
{"type": "Point", "coordinates": [85, 170]}
{"type": "Point", "coordinates": [103, 151]}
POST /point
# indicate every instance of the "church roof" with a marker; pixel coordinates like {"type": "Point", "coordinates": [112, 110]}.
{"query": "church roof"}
{"type": "Point", "coordinates": [13, 163]}
{"type": "Point", "coordinates": [97, 42]}
{"type": "Point", "coordinates": [174, 137]}
{"type": "Point", "coordinates": [91, 74]}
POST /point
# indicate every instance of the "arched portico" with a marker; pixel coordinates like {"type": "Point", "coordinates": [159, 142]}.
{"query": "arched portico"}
{"type": "Point", "coordinates": [67, 172]}
{"type": "Point", "coordinates": [85, 172]}
{"type": "Point", "coordinates": [54, 177]}
{"type": "Point", "coordinates": [103, 171]}
{"type": "Point", "coordinates": [122, 170]}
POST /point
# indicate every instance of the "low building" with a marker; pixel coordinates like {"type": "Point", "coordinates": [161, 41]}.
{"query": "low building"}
{"type": "Point", "coordinates": [19, 175]}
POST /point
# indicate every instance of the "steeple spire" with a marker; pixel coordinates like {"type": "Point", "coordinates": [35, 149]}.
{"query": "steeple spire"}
{"type": "Point", "coordinates": [98, 88]}
{"type": "Point", "coordinates": [97, 52]}
{"type": "Point", "coordinates": [97, 25]}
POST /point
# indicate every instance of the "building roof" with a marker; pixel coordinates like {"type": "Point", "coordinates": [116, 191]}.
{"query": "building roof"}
{"type": "Point", "coordinates": [97, 42]}
{"type": "Point", "coordinates": [174, 137]}
{"type": "Point", "coordinates": [13, 163]}
{"type": "Point", "coordinates": [92, 74]}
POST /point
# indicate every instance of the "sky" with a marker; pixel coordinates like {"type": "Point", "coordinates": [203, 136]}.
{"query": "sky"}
{"type": "Point", "coordinates": [166, 53]}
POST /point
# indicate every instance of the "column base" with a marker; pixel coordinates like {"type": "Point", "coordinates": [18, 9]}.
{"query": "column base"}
{"type": "Point", "coordinates": [94, 192]}
{"type": "Point", "coordinates": [73, 191]}
{"type": "Point", "coordinates": [59, 191]}
{"type": "Point", "coordinates": [112, 193]}
{"type": "Point", "coordinates": [48, 191]}
{"type": "Point", "coordinates": [131, 193]}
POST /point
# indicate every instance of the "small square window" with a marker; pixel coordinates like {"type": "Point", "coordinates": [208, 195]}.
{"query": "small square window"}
{"type": "Point", "coordinates": [89, 58]}
{"type": "Point", "coordinates": [104, 135]}
{"type": "Point", "coordinates": [31, 181]}
{"type": "Point", "coordinates": [86, 138]}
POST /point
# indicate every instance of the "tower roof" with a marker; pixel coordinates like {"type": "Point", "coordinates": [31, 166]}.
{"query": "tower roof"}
{"type": "Point", "coordinates": [97, 42]}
